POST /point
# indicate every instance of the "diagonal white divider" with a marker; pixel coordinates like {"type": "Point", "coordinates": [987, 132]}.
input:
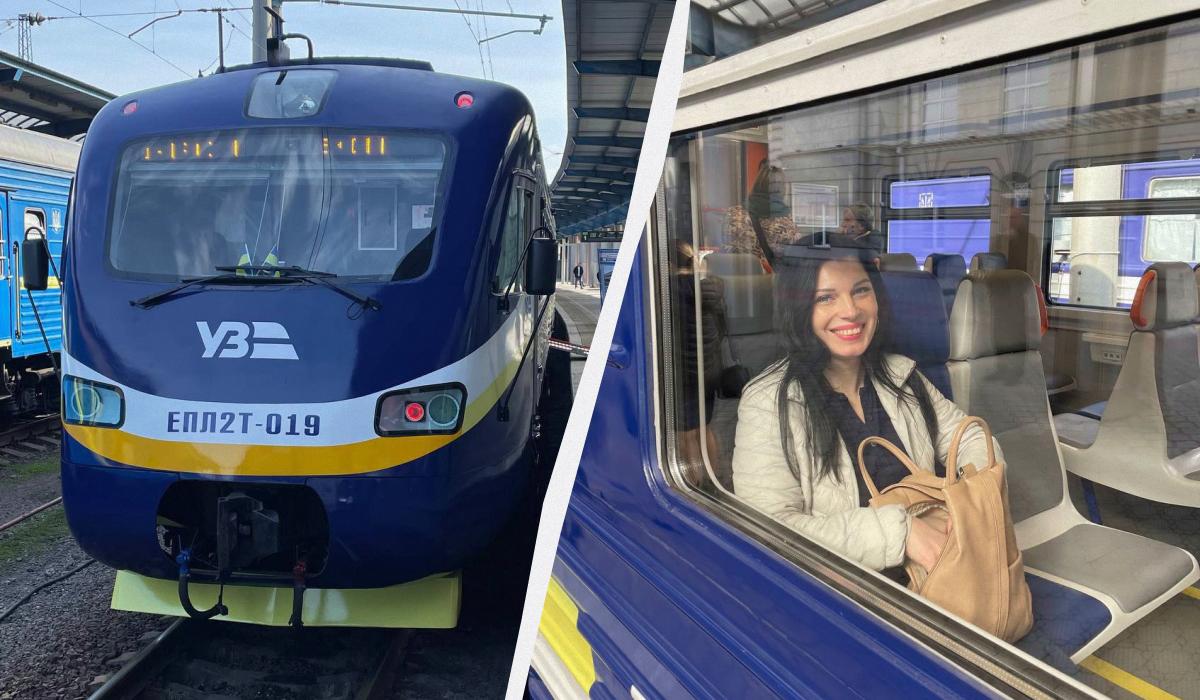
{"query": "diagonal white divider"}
{"type": "Point", "coordinates": [562, 480]}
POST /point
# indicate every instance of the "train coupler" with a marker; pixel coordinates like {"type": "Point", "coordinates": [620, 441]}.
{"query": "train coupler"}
{"type": "Point", "coordinates": [299, 571]}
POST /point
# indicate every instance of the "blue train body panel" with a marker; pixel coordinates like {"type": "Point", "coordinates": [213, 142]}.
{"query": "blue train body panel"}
{"type": "Point", "coordinates": [668, 593]}
{"type": "Point", "coordinates": [31, 188]}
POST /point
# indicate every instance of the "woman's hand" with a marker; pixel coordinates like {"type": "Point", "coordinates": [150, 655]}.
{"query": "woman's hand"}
{"type": "Point", "coordinates": [925, 542]}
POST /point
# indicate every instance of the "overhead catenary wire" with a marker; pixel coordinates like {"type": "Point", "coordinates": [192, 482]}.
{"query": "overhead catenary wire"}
{"type": "Point", "coordinates": [482, 67]}
{"type": "Point", "coordinates": [114, 31]}
{"type": "Point", "coordinates": [228, 41]}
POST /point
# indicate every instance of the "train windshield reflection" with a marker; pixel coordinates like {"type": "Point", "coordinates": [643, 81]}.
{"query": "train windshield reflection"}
{"type": "Point", "coordinates": [353, 204]}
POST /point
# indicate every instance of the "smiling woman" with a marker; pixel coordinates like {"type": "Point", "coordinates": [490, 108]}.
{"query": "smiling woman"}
{"type": "Point", "coordinates": [803, 416]}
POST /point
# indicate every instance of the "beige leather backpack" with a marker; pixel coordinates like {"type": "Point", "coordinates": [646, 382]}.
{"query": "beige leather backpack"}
{"type": "Point", "coordinates": [979, 575]}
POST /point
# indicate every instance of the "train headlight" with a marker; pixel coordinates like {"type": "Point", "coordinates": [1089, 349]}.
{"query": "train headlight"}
{"type": "Point", "coordinates": [85, 402]}
{"type": "Point", "coordinates": [427, 410]}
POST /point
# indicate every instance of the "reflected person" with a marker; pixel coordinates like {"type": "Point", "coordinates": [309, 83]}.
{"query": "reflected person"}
{"type": "Point", "coordinates": [857, 226]}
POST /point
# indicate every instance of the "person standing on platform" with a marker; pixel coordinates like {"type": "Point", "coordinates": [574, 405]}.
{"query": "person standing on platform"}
{"type": "Point", "coordinates": [577, 274]}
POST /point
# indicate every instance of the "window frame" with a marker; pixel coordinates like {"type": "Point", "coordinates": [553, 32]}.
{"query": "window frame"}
{"type": "Point", "coordinates": [997, 664]}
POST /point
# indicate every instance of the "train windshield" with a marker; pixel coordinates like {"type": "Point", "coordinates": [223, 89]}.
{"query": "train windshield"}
{"type": "Point", "coordinates": [356, 204]}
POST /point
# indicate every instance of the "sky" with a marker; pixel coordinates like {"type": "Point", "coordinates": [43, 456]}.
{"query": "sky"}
{"type": "Point", "coordinates": [175, 48]}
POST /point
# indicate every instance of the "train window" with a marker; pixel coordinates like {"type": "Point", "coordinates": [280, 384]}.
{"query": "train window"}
{"type": "Point", "coordinates": [784, 343]}
{"type": "Point", "coordinates": [35, 222]}
{"type": "Point", "coordinates": [1109, 222]}
{"type": "Point", "coordinates": [289, 94]}
{"type": "Point", "coordinates": [513, 236]}
{"type": "Point", "coordinates": [946, 215]}
{"type": "Point", "coordinates": [353, 204]}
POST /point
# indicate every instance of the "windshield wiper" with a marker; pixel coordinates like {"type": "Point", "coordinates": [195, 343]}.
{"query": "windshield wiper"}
{"type": "Point", "coordinates": [223, 278]}
{"type": "Point", "coordinates": [299, 273]}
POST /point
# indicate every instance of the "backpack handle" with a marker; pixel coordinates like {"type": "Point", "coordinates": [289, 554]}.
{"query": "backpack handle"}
{"type": "Point", "coordinates": [896, 452]}
{"type": "Point", "coordinates": [952, 461]}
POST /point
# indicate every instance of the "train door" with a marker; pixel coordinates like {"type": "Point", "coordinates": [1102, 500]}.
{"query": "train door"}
{"type": "Point", "coordinates": [510, 272]}
{"type": "Point", "coordinates": [7, 272]}
{"type": "Point", "coordinates": [36, 316]}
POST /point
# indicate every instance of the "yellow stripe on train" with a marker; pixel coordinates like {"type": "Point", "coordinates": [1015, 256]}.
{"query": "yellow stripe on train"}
{"type": "Point", "coordinates": [255, 460]}
{"type": "Point", "coordinates": [560, 627]}
{"type": "Point", "coordinates": [275, 460]}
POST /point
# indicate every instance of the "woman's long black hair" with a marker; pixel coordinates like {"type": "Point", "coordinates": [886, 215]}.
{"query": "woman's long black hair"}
{"type": "Point", "coordinates": [807, 356]}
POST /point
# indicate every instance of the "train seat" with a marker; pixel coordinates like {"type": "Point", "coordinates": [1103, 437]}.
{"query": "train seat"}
{"type": "Point", "coordinates": [749, 292]}
{"type": "Point", "coordinates": [948, 270]}
{"type": "Point", "coordinates": [988, 262]}
{"type": "Point", "coordinates": [1147, 441]}
{"type": "Point", "coordinates": [918, 323]}
{"type": "Point", "coordinates": [996, 371]}
{"type": "Point", "coordinates": [898, 262]}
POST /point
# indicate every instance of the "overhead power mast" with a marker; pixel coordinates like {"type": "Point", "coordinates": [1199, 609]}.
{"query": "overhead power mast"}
{"type": "Point", "coordinates": [268, 21]}
{"type": "Point", "coordinates": [24, 42]}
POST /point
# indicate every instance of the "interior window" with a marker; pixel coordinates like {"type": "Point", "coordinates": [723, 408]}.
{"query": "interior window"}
{"type": "Point", "coordinates": [939, 216]}
{"type": "Point", "coordinates": [1044, 214]}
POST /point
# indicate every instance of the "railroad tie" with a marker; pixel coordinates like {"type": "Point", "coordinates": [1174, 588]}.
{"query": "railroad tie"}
{"type": "Point", "coordinates": [17, 453]}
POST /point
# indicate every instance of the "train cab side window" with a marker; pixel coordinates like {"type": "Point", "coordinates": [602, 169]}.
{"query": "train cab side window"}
{"type": "Point", "coordinates": [512, 238]}
{"type": "Point", "coordinates": [799, 321]}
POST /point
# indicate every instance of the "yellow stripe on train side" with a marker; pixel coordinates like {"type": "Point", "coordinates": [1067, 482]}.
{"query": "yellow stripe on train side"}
{"type": "Point", "coordinates": [255, 460]}
{"type": "Point", "coordinates": [276, 460]}
{"type": "Point", "coordinates": [560, 627]}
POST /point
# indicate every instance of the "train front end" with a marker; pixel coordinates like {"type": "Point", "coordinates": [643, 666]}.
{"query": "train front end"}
{"type": "Point", "coordinates": [289, 388]}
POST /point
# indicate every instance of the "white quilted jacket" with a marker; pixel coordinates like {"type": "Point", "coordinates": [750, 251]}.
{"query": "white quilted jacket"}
{"type": "Point", "coordinates": [827, 511]}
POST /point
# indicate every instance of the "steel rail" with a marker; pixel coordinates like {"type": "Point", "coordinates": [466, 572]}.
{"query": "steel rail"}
{"type": "Point", "coordinates": [22, 518]}
{"type": "Point", "coordinates": [136, 674]}
{"type": "Point", "coordinates": [28, 429]}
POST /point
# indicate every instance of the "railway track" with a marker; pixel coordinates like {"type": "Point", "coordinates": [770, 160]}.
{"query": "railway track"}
{"type": "Point", "coordinates": [194, 659]}
{"type": "Point", "coordinates": [29, 437]}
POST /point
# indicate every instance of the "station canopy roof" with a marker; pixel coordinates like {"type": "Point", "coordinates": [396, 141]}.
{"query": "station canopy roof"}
{"type": "Point", "coordinates": [613, 53]}
{"type": "Point", "coordinates": [721, 28]}
{"type": "Point", "coordinates": [37, 98]}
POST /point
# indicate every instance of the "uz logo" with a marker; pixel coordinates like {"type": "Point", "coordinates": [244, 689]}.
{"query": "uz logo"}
{"type": "Point", "coordinates": [925, 200]}
{"type": "Point", "coordinates": [269, 341]}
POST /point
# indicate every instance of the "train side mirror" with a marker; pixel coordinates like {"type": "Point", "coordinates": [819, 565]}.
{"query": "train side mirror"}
{"type": "Point", "coordinates": [35, 263]}
{"type": "Point", "coordinates": [542, 266]}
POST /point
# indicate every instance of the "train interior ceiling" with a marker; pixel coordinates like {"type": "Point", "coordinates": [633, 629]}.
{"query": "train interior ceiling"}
{"type": "Point", "coordinates": [1079, 168]}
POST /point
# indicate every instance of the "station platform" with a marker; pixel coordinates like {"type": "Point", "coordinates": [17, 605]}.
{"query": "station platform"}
{"type": "Point", "coordinates": [580, 308]}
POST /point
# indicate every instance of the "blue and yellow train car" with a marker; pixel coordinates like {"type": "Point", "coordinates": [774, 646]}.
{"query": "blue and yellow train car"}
{"type": "Point", "coordinates": [35, 179]}
{"type": "Point", "coordinates": [306, 327]}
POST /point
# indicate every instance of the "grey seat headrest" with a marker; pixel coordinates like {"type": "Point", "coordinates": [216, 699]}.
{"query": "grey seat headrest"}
{"type": "Point", "coordinates": [898, 262]}
{"type": "Point", "coordinates": [1166, 296]}
{"type": "Point", "coordinates": [994, 313]}
{"type": "Point", "coordinates": [946, 267]}
{"type": "Point", "coordinates": [987, 262]}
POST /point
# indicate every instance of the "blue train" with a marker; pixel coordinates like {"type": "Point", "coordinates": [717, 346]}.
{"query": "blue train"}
{"type": "Point", "coordinates": [35, 180]}
{"type": "Point", "coordinates": [306, 327]}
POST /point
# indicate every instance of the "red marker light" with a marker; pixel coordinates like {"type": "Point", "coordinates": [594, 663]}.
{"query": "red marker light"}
{"type": "Point", "coordinates": [464, 100]}
{"type": "Point", "coordinates": [414, 411]}
{"type": "Point", "coordinates": [129, 108]}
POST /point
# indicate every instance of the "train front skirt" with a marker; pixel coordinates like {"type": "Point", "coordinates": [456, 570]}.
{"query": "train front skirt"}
{"type": "Point", "coordinates": [429, 603]}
